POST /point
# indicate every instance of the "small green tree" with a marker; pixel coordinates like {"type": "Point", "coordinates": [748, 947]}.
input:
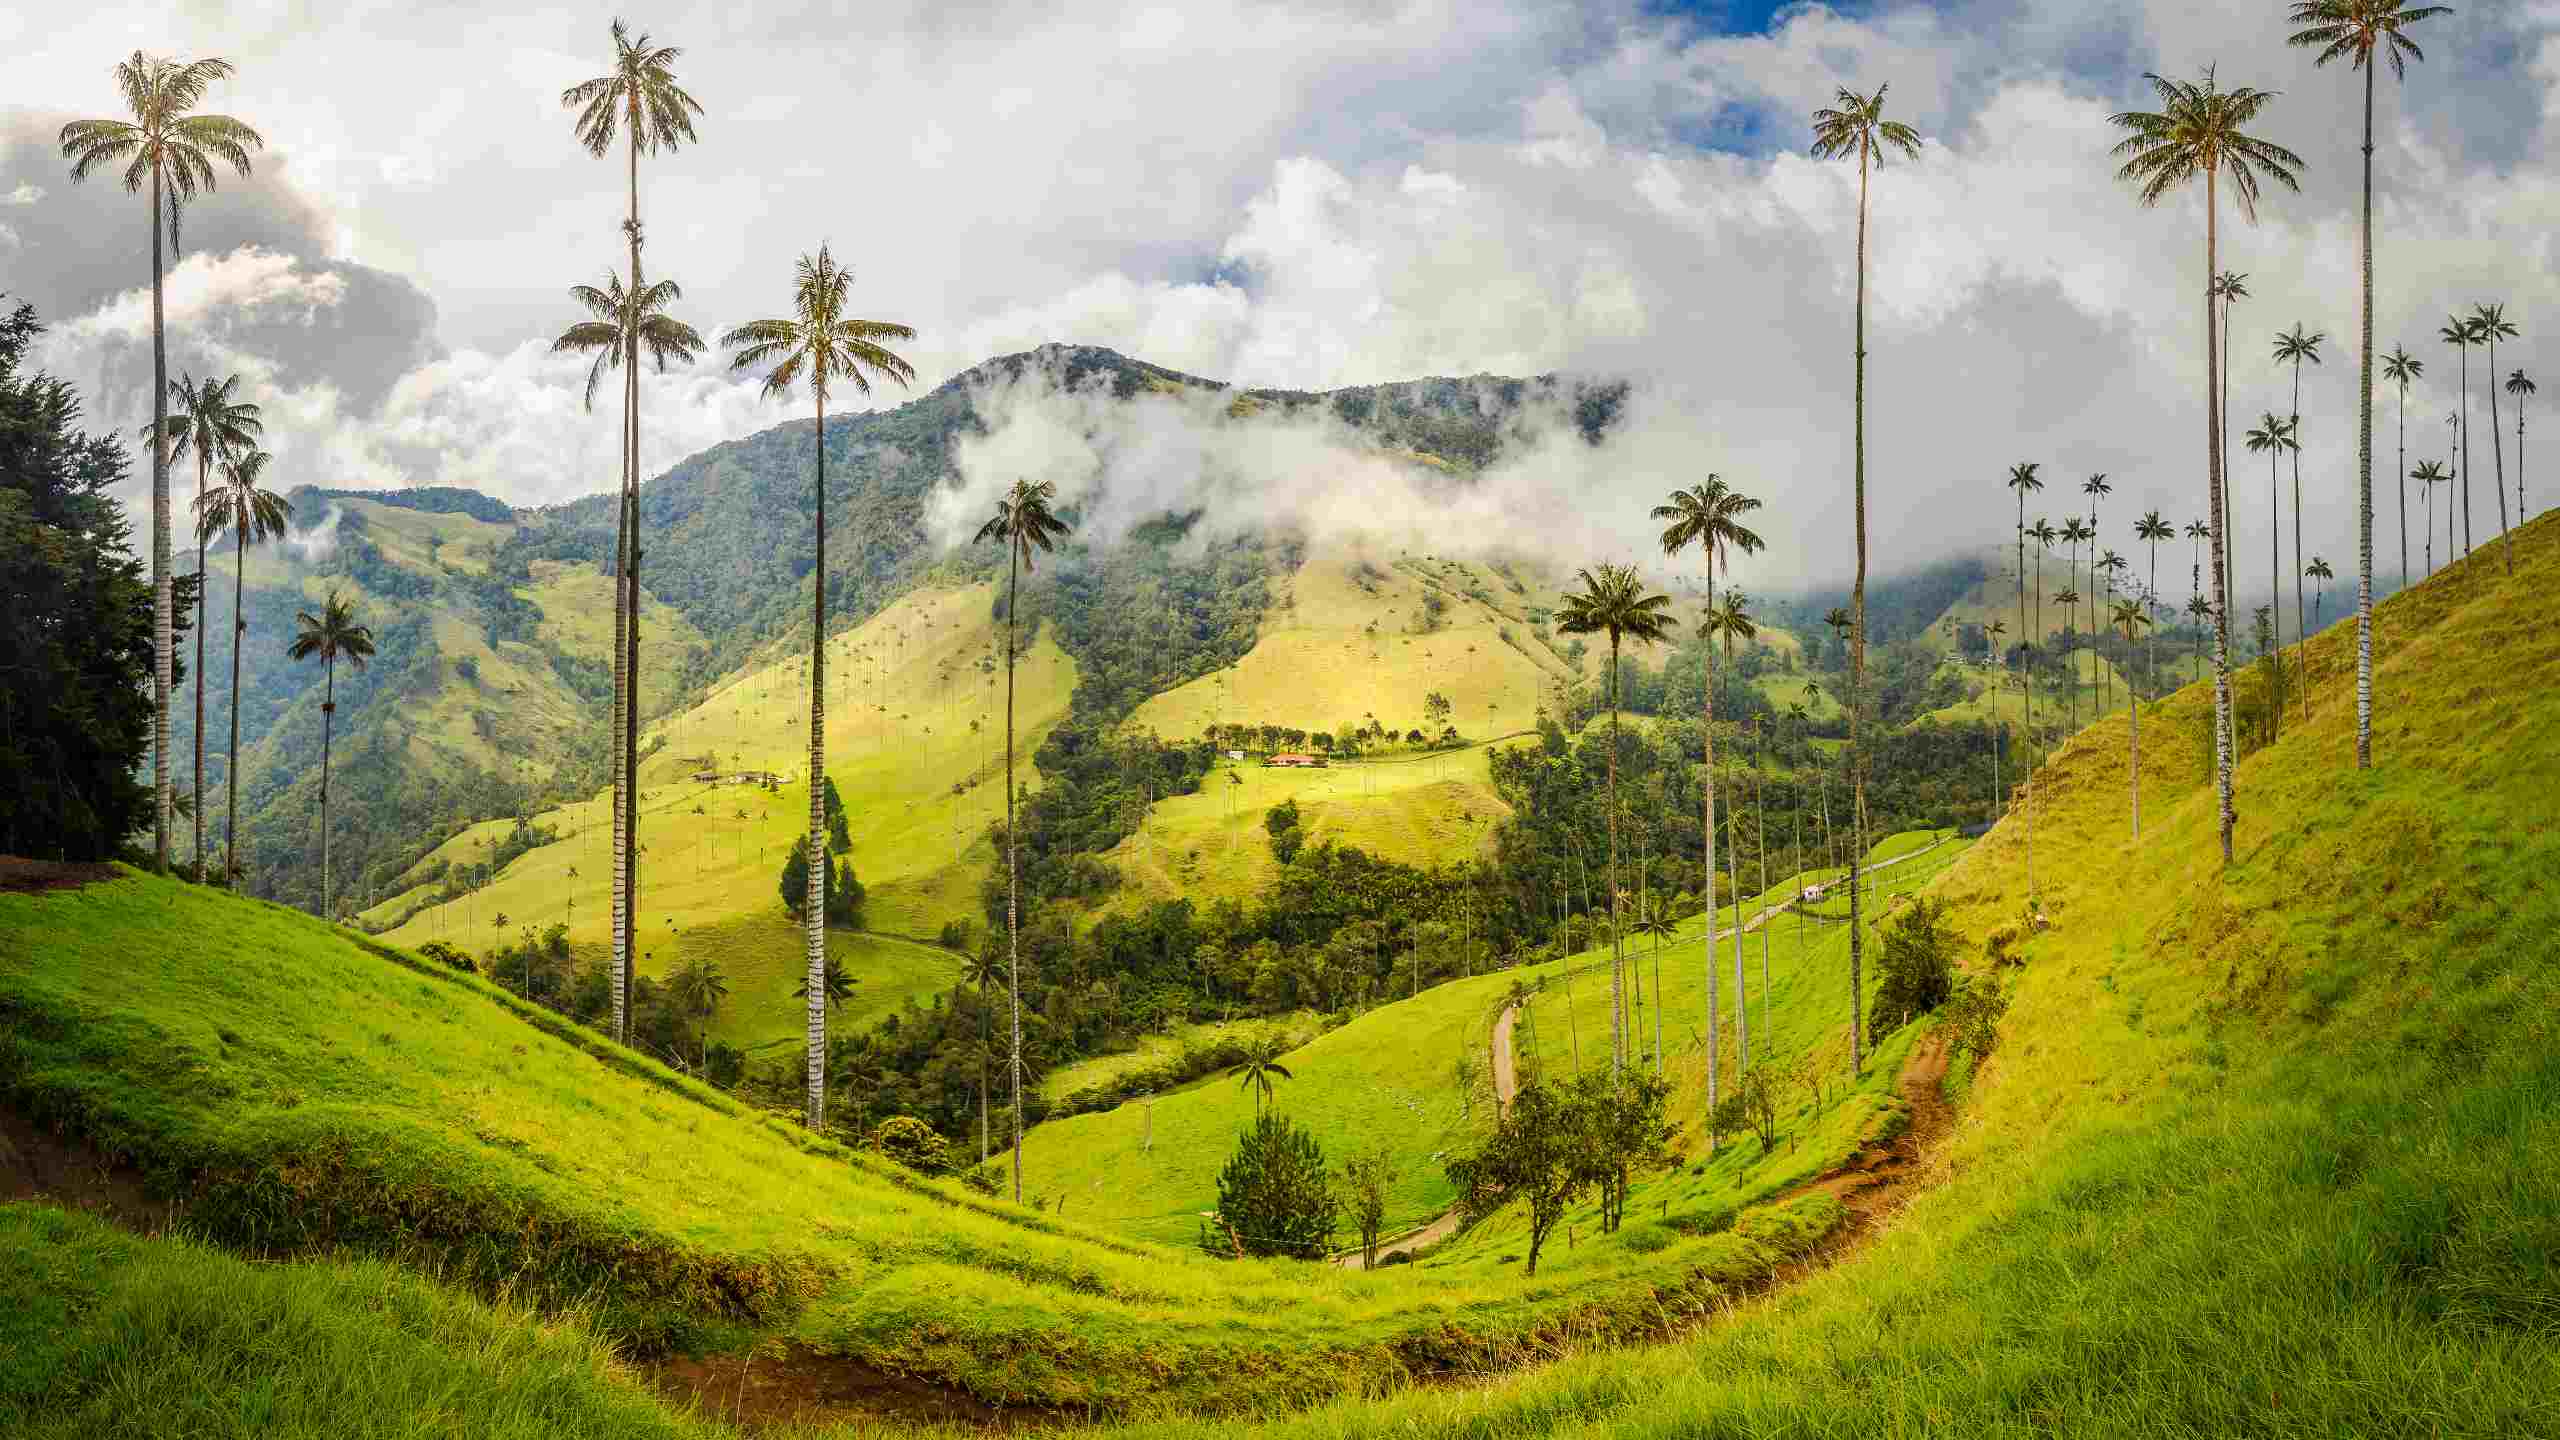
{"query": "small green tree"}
{"type": "Point", "coordinates": [1531, 1157]}
{"type": "Point", "coordinates": [839, 839]}
{"type": "Point", "coordinates": [1275, 1196]}
{"type": "Point", "coordinates": [1366, 1177]}
{"type": "Point", "coordinates": [1756, 1097]}
{"type": "Point", "coordinates": [914, 1144]}
{"type": "Point", "coordinates": [1287, 838]}
{"type": "Point", "coordinates": [1918, 964]}
{"type": "Point", "coordinates": [1621, 1129]}
{"type": "Point", "coordinates": [845, 897]}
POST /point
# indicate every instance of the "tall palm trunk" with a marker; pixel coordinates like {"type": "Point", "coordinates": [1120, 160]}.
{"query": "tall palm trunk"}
{"type": "Point", "coordinates": [204, 480]}
{"type": "Point", "coordinates": [2301, 637]}
{"type": "Point", "coordinates": [2364, 461]}
{"type": "Point", "coordinates": [1858, 652]}
{"type": "Point", "coordinates": [813, 908]}
{"type": "Point", "coordinates": [630, 757]}
{"type": "Point", "coordinates": [1617, 942]}
{"type": "Point", "coordinates": [1013, 855]}
{"type": "Point", "coordinates": [328, 721]}
{"type": "Point", "coordinates": [231, 766]}
{"type": "Point", "coordinates": [2218, 410]}
{"type": "Point", "coordinates": [1707, 738]}
{"type": "Point", "coordinates": [2498, 461]}
{"type": "Point", "coordinates": [1733, 847]}
{"type": "Point", "coordinates": [619, 882]}
{"type": "Point", "coordinates": [164, 641]}
{"type": "Point", "coordinates": [2275, 607]}
{"type": "Point", "coordinates": [2216, 500]}
{"type": "Point", "coordinates": [2026, 691]}
{"type": "Point", "coordinates": [2466, 466]}
{"type": "Point", "coordinates": [2402, 470]}
{"type": "Point", "coordinates": [2520, 511]}
{"type": "Point", "coordinates": [2133, 718]}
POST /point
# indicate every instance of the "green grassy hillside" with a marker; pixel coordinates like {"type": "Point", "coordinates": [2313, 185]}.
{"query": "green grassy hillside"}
{"type": "Point", "coordinates": [296, 1088]}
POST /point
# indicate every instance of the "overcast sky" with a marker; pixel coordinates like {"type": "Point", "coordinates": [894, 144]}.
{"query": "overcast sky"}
{"type": "Point", "coordinates": [1312, 195]}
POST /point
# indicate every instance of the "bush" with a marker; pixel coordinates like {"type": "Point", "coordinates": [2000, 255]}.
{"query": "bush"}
{"type": "Point", "coordinates": [1918, 963]}
{"type": "Point", "coordinates": [1275, 1196]}
{"type": "Point", "coordinates": [914, 1144]}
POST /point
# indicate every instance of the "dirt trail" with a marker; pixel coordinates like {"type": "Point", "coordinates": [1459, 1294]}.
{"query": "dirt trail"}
{"type": "Point", "coordinates": [1843, 1182]}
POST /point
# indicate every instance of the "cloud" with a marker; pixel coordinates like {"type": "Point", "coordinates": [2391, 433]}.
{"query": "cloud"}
{"type": "Point", "coordinates": [316, 543]}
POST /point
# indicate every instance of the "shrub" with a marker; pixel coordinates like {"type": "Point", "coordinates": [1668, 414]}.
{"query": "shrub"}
{"type": "Point", "coordinates": [1275, 1196]}
{"type": "Point", "coordinates": [914, 1144]}
{"type": "Point", "coordinates": [1917, 962]}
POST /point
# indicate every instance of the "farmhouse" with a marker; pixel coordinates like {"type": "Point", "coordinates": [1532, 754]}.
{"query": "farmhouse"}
{"type": "Point", "coordinates": [1292, 759]}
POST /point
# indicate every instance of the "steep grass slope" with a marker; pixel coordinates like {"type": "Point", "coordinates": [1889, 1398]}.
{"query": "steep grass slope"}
{"type": "Point", "coordinates": [2265, 1150]}
{"type": "Point", "coordinates": [291, 1087]}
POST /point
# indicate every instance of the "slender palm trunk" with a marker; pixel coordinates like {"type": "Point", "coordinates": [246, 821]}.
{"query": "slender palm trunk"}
{"type": "Point", "coordinates": [1617, 946]}
{"type": "Point", "coordinates": [2218, 418]}
{"type": "Point", "coordinates": [2133, 719]}
{"type": "Point", "coordinates": [2300, 634]}
{"type": "Point", "coordinates": [2402, 484]}
{"type": "Point", "coordinates": [2466, 463]}
{"type": "Point", "coordinates": [328, 721]}
{"type": "Point", "coordinates": [2216, 500]}
{"type": "Point", "coordinates": [2026, 690]}
{"type": "Point", "coordinates": [2520, 510]}
{"type": "Point", "coordinates": [629, 759]}
{"type": "Point", "coordinates": [1733, 847]}
{"type": "Point", "coordinates": [1858, 653]}
{"type": "Point", "coordinates": [2275, 591]}
{"type": "Point", "coordinates": [164, 642]}
{"type": "Point", "coordinates": [1707, 738]}
{"type": "Point", "coordinates": [1760, 828]}
{"type": "Point", "coordinates": [985, 1043]}
{"type": "Point", "coordinates": [813, 905]}
{"type": "Point", "coordinates": [618, 883]}
{"type": "Point", "coordinates": [231, 766]}
{"type": "Point", "coordinates": [2364, 463]}
{"type": "Point", "coordinates": [1013, 855]}
{"type": "Point", "coordinates": [204, 480]}
{"type": "Point", "coordinates": [2498, 461]}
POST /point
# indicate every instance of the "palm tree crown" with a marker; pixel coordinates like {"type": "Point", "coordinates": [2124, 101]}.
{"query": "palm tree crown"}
{"type": "Point", "coordinates": [2352, 30]}
{"type": "Point", "coordinates": [208, 421]}
{"type": "Point", "coordinates": [2197, 132]}
{"type": "Point", "coordinates": [332, 635]}
{"type": "Point", "coordinates": [163, 138]}
{"type": "Point", "coordinates": [1708, 516]}
{"type": "Point", "coordinates": [240, 503]}
{"type": "Point", "coordinates": [1612, 601]}
{"type": "Point", "coordinates": [819, 341]}
{"type": "Point", "coordinates": [641, 89]}
{"type": "Point", "coordinates": [1856, 124]}
{"type": "Point", "coordinates": [626, 329]}
{"type": "Point", "coordinates": [1025, 522]}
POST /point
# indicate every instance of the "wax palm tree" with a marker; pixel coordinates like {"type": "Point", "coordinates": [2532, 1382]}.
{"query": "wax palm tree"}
{"type": "Point", "coordinates": [254, 515]}
{"type": "Point", "coordinates": [332, 635]}
{"type": "Point", "coordinates": [2197, 532]}
{"type": "Point", "coordinates": [2319, 570]}
{"type": "Point", "coordinates": [2461, 332]}
{"type": "Point", "coordinates": [837, 986]}
{"type": "Point", "coordinates": [1732, 623]}
{"type": "Point", "coordinates": [1026, 526]}
{"type": "Point", "coordinates": [2228, 289]}
{"type": "Point", "coordinates": [2096, 488]}
{"type": "Point", "coordinates": [2490, 324]}
{"type": "Point", "coordinates": [2111, 567]}
{"type": "Point", "coordinates": [172, 150]}
{"type": "Point", "coordinates": [2522, 387]}
{"type": "Point", "coordinates": [2199, 614]}
{"type": "Point", "coordinates": [2075, 533]}
{"type": "Point", "coordinates": [1261, 1062]}
{"type": "Point", "coordinates": [638, 101]}
{"type": "Point", "coordinates": [1653, 921]}
{"type": "Point", "coordinates": [819, 341]}
{"type": "Point", "coordinates": [1856, 125]}
{"type": "Point", "coordinates": [2292, 348]}
{"type": "Point", "coordinates": [1613, 601]}
{"type": "Point", "coordinates": [2151, 529]}
{"type": "Point", "coordinates": [1709, 518]}
{"type": "Point", "coordinates": [2354, 30]}
{"type": "Point", "coordinates": [2400, 367]}
{"type": "Point", "coordinates": [2430, 474]}
{"type": "Point", "coordinates": [2069, 599]}
{"type": "Point", "coordinates": [2126, 617]}
{"type": "Point", "coordinates": [209, 422]}
{"type": "Point", "coordinates": [2043, 533]}
{"type": "Point", "coordinates": [2273, 437]}
{"type": "Point", "coordinates": [1992, 631]}
{"type": "Point", "coordinates": [2198, 133]}
{"type": "Point", "coordinates": [623, 329]}
{"type": "Point", "coordinates": [696, 988]}
{"type": "Point", "coordinates": [2022, 480]}
{"type": "Point", "coordinates": [979, 971]}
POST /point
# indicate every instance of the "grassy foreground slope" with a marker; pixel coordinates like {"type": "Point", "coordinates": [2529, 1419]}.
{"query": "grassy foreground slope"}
{"type": "Point", "coordinates": [295, 1088]}
{"type": "Point", "coordinates": [2266, 1151]}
